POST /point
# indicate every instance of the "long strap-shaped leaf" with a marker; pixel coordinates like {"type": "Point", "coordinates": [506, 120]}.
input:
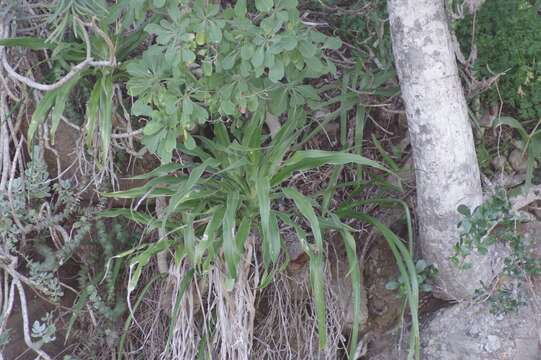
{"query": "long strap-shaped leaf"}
{"type": "Point", "coordinates": [231, 252]}
{"type": "Point", "coordinates": [316, 260]}
{"type": "Point", "coordinates": [355, 273]}
{"type": "Point", "coordinates": [408, 272]}
{"type": "Point", "coordinates": [54, 101]}
{"type": "Point", "coordinates": [269, 227]}
{"type": "Point", "coordinates": [309, 159]}
{"type": "Point", "coordinates": [183, 191]}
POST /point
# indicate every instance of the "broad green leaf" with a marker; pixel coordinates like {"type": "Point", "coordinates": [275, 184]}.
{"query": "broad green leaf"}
{"type": "Point", "coordinates": [215, 34]}
{"type": "Point", "coordinates": [307, 49]}
{"type": "Point", "coordinates": [229, 61]}
{"type": "Point", "coordinates": [159, 3]}
{"type": "Point", "coordinates": [165, 145]}
{"type": "Point", "coordinates": [259, 57]}
{"type": "Point", "coordinates": [279, 99]}
{"type": "Point", "coordinates": [333, 43]}
{"type": "Point", "coordinates": [269, 59]}
{"type": "Point", "coordinates": [276, 72]}
{"type": "Point", "coordinates": [201, 38]}
{"type": "Point", "coordinates": [187, 106]}
{"type": "Point", "coordinates": [189, 142]}
{"type": "Point", "coordinates": [152, 128]}
{"type": "Point", "coordinates": [245, 69]}
{"type": "Point", "coordinates": [140, 108]}
{"type": "Point", "coordinates": [188, 56]}
{"type": "Point", "coordinates": [288, 4]}
{"type": "Point", "coordinates": [207, 68]}
{"type": "Point", "coordinates": [247, 51]}
{"type": "Point", "coordinates": [289, 42]}
{"type": "Point", "coordinates": [264, 5]}
{"type": "Point", "coordinates": [464, 210]}
{"type": "Point", "coordinates": [228, 107]}
{"type": "Point", "coordinates": [240, 8]}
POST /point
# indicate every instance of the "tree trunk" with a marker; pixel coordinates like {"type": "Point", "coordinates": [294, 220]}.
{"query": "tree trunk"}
{"type": "Point", "coordinates": [446, 169]}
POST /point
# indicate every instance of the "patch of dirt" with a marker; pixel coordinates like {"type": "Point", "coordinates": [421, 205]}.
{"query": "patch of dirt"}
{"type": "Point", "coordinates": [386, 307]}
{"type": "Point", "coordinates": [37, 309]}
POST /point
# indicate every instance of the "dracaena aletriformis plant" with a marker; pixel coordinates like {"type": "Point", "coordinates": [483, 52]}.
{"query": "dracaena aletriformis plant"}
{"type": "Point", "coordinates": [207, 61]}
{"type": "Point", "coordinates": [233, 188]}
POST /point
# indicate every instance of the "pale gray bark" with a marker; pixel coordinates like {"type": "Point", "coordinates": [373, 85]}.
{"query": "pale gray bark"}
{"type": "Point", "coordinates": [447, 173]}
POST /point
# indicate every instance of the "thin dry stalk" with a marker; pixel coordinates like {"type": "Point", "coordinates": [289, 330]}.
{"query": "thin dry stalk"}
{"type": "Point", "coordinates": [186, 335]}
{"type": "Point", "coordinates": [287, 328]}
{"type": "Point", "coordinates": [236, 308]}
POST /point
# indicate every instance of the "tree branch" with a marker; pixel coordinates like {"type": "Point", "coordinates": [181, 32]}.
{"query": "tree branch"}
{"type": "Point", "coordinates": [26, 326]}
{"type": "Point", "coordinates": [88, 62]}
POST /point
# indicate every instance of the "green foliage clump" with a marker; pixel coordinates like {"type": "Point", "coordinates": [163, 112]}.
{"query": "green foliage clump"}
{"type": "Point", "coordinates": [188, 64]}
{"type": "Point", "coordinates": [39, 205]}
{"type": "Point", "coordinates": [508, 39]}
{"type": "Point", "coordinates": [476, 228]}
{"type": "Point", "coordinates": [494, 221]}
{"type": "Point", "coordinates": [210, 62]}
{"type": "Point", "coordinates": [235, 186]}
{"type": "Point", "coordinates": [44, 331]}
{"type": "Point", "coordinates": [425, 273]}
{"type": "Point", "coordinates": [99, 279]}
{"type": "Point", "coordinates": [507, 299]}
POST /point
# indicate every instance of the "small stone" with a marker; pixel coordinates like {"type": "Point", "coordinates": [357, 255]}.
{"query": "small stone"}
{"type": "Point", "coordinates": [518, 160]}
{"type": "Point", "coordinates": [453, 327]}
{"type": "Point", "coordinates": [493, 343]}
{"type": "Point", "coordinates": [499, 163]}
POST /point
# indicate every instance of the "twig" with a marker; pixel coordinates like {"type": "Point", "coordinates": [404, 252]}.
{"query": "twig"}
{"type": "Point", "coordinates": [130, 134]}
{"type": "Point", "coordinates": [88, 62]}
{"type": "Point", "coordinates": [8, 90]}
{"type": "Point", "coordinates": [24, 229]}
{"type": "Point", "coordinates": [26, 327]}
